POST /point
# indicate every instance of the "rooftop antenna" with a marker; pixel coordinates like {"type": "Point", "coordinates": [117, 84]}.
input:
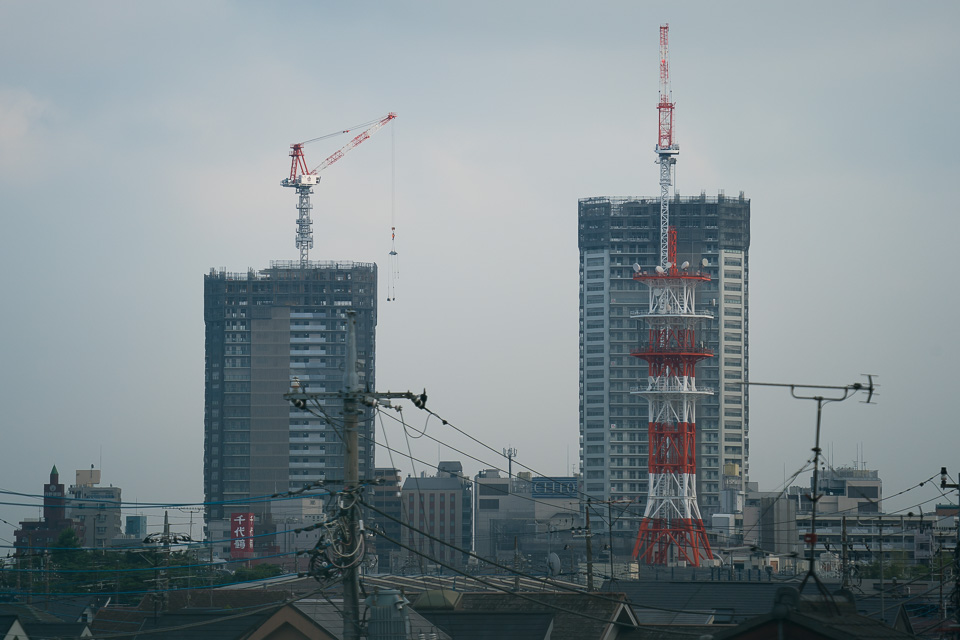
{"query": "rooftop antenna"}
{"type": "Point", "coordinates": [667, 148]}
{"type": "Point", "coordinates": [510, 454]}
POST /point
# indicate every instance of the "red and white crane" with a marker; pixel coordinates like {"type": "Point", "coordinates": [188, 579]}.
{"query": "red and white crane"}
{"type": "Point", "coordinates": [303, 179]}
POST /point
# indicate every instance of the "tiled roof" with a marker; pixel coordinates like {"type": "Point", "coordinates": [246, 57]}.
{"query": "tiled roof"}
{"type": "Point", "coordinates": [219, 599]}
{"type": "Point", "coordinates": [55, 630]}
{"type": "Point", "coordinates": [328, 614]}
{"type": "Point", "coordinates": [576, 616]}
{"type": "Point", "coordinates": [469, 625]}
{"type": "Point", "coordinates": [199, 624]}
{"type": "Point", "coordinates": [26, 613]}
{"type": "Point", "coordinates": [729, 602]}
{"type": "Point", "coordinates": [818, 616]}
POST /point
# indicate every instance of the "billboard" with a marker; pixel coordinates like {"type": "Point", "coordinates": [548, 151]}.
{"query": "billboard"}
{"type": "Point", "coordinates": [546, 488]}
{"type": "Point", "coordinates": [241, 535]}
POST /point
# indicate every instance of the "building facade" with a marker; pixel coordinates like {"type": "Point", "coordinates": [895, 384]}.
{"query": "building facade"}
{"type": "Point", "coordinates": [42, 533]}
{"type": "Point", "coordinates": [263, 328]}
{"type": "Point", "coordinates": [533, 515]}
{"type": "Point", "coordinates": [441, 506]}
{"type": "Point", "coordinates": [95, 509]}
{"type": "Point", "coordinates": [385, 496]}
{"type": "Point", "coordinates": [614, 234]}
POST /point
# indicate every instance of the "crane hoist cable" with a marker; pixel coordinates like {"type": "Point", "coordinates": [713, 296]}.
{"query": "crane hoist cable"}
{"type": "Point", "coordinates": [393, 258]}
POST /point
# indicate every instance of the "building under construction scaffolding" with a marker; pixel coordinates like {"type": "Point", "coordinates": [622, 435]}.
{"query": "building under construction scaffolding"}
{"type": "Point", "coordinates": [263, 328]}
{"type": "Point", "coordinates": [614, 234]}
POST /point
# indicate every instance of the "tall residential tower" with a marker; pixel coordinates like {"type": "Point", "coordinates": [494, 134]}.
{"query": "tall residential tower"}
{"type": "Point", "coordinates": [262, 329]}
{"type": "Point", "coordinates": [614, 234]}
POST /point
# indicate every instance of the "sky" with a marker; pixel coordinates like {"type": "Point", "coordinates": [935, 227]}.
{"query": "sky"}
{"type": "Point", "coordinates": [142, 144]}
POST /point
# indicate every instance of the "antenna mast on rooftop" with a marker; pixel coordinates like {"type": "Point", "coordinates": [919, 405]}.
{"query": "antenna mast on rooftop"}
{"type": "Point", "coordinates": [667, 148]}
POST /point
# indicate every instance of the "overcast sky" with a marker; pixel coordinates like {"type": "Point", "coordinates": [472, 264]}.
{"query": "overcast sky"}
{"type": "Point", "coordinates": [143, 143]}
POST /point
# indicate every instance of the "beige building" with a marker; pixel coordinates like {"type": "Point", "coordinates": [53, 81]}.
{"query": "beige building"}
{"type": "Point", "coordinates": [95, 509]}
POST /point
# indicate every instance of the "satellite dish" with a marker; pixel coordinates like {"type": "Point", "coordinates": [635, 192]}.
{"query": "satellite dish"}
{"type": "Point", "coordinates": [553, 564]}
{"type": "Point", "coordinates": [636, 267]}
{"type": "Point", "coordinates": [685, 265]}
{"type": "Point", "coordinates": [704, 262]}
{"type": "Point", "coordinates": [659, 269]}
{"type": "Point", "coordinates": [668, 265]}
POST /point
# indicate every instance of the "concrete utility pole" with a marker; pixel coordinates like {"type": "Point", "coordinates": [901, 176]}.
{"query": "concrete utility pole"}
{"type": "Point", "coordinates": [845, 572]}
{"type": "Point", "coordinates": [351, 481]}
{"type": "Point", "coordinates": [589, 551]}
{"type": "Point", "coordinates": [955, 596]}
{"type": "Point", "coordinates": [353, 399]}
{"type": "Point", "coordinates": [610, 535]}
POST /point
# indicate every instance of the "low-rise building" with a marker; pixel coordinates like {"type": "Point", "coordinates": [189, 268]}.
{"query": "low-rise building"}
{"type": "Point", "coordinates": [440, 506]}
{"type": "Point", "coordinates": [96, 509]}
{"type": "Point", "coordinates": [42, 533]}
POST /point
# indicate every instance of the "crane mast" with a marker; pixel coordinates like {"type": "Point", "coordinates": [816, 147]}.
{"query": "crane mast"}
{"type": "Point", "coordinates": [667, 149]}
{"type": "Point", "coordinates": [303, 180]}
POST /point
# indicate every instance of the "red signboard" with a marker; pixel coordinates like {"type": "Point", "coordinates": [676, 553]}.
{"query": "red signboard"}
{"type": "Point", "coordinates": [241, 535]}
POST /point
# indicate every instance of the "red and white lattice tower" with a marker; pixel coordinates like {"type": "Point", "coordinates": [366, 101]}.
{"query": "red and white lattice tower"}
{"type": "Point", "coordinates": [672, 530]}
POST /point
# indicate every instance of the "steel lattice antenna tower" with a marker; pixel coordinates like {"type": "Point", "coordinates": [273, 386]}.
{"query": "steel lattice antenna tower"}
{"type": "Point", "coordinates": [672, 518]}
{"type": "Point", "coordinates": [667, 148]}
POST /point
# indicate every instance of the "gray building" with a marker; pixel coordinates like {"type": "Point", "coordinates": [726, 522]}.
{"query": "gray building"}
{"type": "Point", "coordinates": [441, 506]}
{"type": "Point", "coordinates": [385, 497]}
{"type": "Point", "coordinates": [534, 515]}
{"type": "Point", "coordinates": [262, 329]}
{"type": "Point", "coordinates": [615, 233]}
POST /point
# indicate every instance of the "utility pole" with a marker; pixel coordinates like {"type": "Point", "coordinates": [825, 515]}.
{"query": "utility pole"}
{"type": "Point", "coordinates": [353, 397]}
{"type": "Point", "coordinates": [955, 596]}
{"type": "Point", "coordinates": [843, 553]}
{"type": "Point", "coordinates": [589, 550]}
{"type": "Point", "coordinates": [516, 563]}
{"type": "Point", "coordinates": [881, 568]}
{"type": "Point", "coordinates": [351, 477]}
{"type": "Point", "coordinates": [610, 534]}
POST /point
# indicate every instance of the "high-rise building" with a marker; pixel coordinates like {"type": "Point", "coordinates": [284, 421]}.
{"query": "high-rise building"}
{"type": "Point", "coordinates": [263, 328]}
{"type": "Point", "coordinates": [614, 234]}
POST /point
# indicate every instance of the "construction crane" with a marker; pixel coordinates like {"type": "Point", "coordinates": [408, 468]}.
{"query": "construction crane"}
{"type": "Point", "coordinates": [667, 148]}
{"type": "Point", "coordinates": [303, 180]}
